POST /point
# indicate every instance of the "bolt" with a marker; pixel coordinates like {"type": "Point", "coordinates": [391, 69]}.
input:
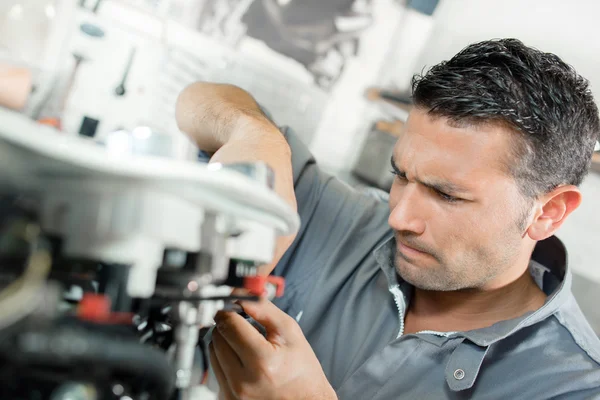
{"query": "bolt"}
{"type": "Point", "coordinates": [118, 389]}
{"type": "Point", "coordinates": [192, 286]}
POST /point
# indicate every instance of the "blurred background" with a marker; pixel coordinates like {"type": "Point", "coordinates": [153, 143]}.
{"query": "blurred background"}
{"type": "Point", "coordinates": [337, 71]}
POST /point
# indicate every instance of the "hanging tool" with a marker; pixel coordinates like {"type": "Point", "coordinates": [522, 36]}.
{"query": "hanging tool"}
{"type": "Point", "coordinates": [56, 111]}
{"type": "Point", "coordinates": [121, 89]}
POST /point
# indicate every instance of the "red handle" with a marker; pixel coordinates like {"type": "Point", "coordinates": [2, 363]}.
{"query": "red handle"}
{"type": "Point", "coordinates": [96, 308]}
{"type": "Point", "coordinates": [257, 285]}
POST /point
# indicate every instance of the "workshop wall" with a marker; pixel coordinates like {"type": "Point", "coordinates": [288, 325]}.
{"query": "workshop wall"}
{"type": "Point", "coordinates": [566, 28]}
{"type": "Point", "coordinates": [319, 92]}
{"type": "Point", "coordinates": [316, 88]}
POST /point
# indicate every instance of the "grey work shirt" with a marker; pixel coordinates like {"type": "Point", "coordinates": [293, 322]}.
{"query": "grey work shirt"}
{"type": "Point", "coordinates": [350, 303]}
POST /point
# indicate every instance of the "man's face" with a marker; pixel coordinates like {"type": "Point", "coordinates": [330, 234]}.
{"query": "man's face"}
{"type": "Point", "coordinates": [454, 208]}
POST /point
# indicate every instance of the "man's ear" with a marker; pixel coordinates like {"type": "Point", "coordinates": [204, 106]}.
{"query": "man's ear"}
{"type": "Point", "coordinates": [553, 209]}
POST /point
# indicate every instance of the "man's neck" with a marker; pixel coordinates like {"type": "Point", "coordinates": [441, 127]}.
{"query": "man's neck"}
{"type": "Point", "coordinates": [474, 308]}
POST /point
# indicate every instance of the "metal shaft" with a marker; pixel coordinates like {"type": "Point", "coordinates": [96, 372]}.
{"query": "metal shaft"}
{"type": "Point", "coordinates": [186, 339]}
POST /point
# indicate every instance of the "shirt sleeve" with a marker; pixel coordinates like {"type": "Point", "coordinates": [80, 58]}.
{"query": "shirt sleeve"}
{"type": "Point", "coordinates": [338, 223]}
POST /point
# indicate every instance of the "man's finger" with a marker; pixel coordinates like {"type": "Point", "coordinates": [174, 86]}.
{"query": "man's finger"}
{"type": "Point", "coordinates": [224, 390]}
{"type": "Point", "coordinates": [244, 339]}
{"type": "Point", "coordinates": [277, 323]}
{"type": "Point", "coordinates": [229, 361]}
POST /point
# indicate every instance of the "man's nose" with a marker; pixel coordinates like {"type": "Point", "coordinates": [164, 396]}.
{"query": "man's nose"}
{"type": "Point", "coordinates": [408, 213]}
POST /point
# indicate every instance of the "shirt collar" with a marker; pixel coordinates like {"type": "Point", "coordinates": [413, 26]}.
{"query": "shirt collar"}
{"type": "Point", "coordinates": [549, 255]}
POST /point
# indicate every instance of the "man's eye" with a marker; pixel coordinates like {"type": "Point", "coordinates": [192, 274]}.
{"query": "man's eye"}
{"type": "Point", "coordinates": [399, 175]}
{"type": "Point", "coordinates": [447, 197]}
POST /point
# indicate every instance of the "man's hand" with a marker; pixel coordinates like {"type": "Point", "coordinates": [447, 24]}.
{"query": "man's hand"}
{"type": "Point", "coordinates": [280, 366]}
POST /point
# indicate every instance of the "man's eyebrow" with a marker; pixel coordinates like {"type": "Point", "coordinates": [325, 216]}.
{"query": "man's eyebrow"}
{"type": "Point", "coordinates": [395, 167]}
{"type": "Point", "coordinates": [440, 186]}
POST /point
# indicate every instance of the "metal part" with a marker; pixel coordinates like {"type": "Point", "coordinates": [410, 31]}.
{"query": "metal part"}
{"type": "Point", "coordinates": [213, 265]}
{"type": "Point", "coordinates": [141, 140]}
{"type": "Point", "coordinates": [97, 6]}
{"type": "Point", "coordinates": [26, 294]}
{"type": "Point", "coordinates": [118, 389]}
{"type": "Point", "coordinates": [155, 238]}
{"type": "Point", "coordinates": [92, 30]}
{"type": "Point", "coordinates": [259, 172]}
{"type": "Point", "coordinates": [186, 339]}
{"type": "Point", "coordinates": [79, 59]}
{"type": "Point", "coordinates": [74, 391]}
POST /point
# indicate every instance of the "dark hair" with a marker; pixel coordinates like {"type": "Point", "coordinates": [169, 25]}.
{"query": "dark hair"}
{"type": "Point", "coordinates": [536, 94]}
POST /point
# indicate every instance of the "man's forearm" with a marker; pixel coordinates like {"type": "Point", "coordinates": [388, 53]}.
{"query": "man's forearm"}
{"type": "Point", "coordinates": [211, 113]}
{"type": "Point", "coordinates": [227, 121]}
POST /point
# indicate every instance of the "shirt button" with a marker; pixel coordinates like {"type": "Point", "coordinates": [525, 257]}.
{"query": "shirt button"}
{"type": "Point", "coordinates": [459, 374]}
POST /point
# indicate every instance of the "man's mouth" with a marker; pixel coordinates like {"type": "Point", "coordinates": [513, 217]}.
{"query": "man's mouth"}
{"type": "Point", "coordinates": [410, 250]}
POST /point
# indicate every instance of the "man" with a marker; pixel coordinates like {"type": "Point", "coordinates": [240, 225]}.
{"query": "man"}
{"type": "Point", "coordinates": [467, 292]}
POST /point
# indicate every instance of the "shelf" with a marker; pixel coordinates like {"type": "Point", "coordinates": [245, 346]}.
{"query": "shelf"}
{"type": "Point", "coordinates": [596, 162]}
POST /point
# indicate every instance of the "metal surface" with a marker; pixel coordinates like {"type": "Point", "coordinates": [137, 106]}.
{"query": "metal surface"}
{"type": "Point", "coordinates": [141, 140]}
{"type": "Point", "coordinates": [211, 186]}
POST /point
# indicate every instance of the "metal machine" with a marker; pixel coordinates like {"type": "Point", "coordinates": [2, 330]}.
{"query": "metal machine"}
{"type": "Point", "coordinates": [114, 257]}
